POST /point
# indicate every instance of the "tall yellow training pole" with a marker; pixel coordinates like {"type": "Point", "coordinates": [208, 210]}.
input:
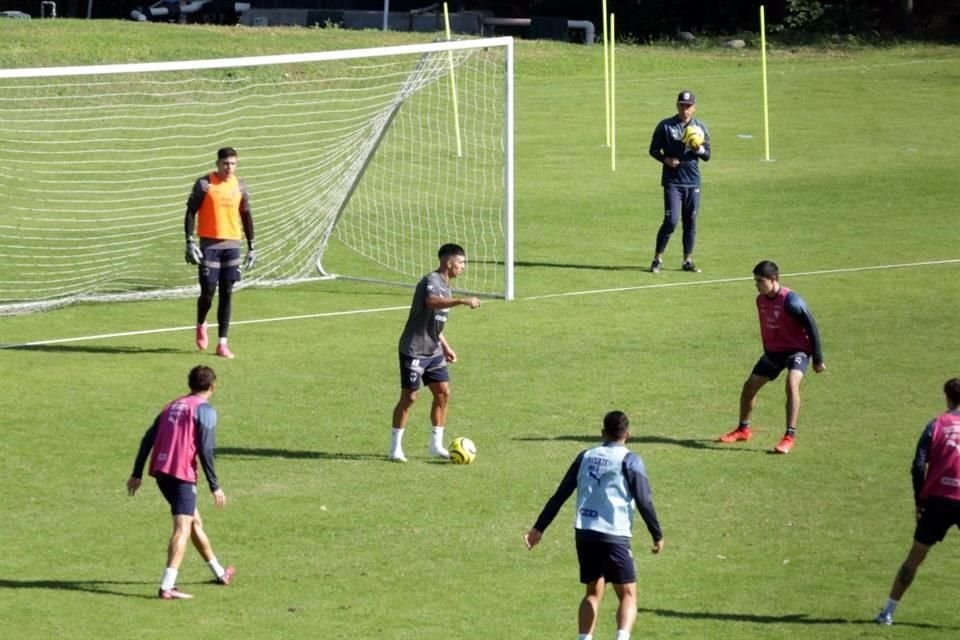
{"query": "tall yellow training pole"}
{"type": "Point", "coordinates": [613, 96]}
{"type": "Point", "coordinates": [606, 72]}
{"type": "Point", "coordinates": [763, 65]}
{"type": "Point", "coordinates": [453, 84]}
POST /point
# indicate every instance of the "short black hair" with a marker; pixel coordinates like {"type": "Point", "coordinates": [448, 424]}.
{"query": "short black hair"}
{"type": "Point", "coordinates": [951, 389]}
{"type": "Point", "coordinates": [226, 152]}
{"type": "Point", "coordinates": [450, 249]}
{"type": "Point", "coordinates": [616, 424]}
{"type": "Point", "coordinates": [201, 378]}
{"type": "Point", "coordinates": [767, 269]}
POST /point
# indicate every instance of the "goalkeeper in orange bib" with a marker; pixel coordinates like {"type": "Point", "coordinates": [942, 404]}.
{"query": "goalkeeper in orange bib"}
{"type": "Point", "coordinates": [680, 153]}
{"type": "Point", "coordinates": [219, 209]}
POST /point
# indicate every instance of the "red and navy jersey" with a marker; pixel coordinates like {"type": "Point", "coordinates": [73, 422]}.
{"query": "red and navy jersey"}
{"type": "Point", "coordinates": [787, 326]}
{"type": "Point", "coordinates": [936, 464]}
{"type": "Point", "coordinates": [183, 433]}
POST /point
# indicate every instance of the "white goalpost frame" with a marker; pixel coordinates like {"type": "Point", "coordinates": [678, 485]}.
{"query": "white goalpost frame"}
{"type": "Point", "coordinates": [507, 208]}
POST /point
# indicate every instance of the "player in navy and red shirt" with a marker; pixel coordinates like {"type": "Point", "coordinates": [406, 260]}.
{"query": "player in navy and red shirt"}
{"type": "Point", "coordinates": [680, 178]}
{"type": "Point", "coordinates": [936, 492]}
{"type": "Point", "coordinates": [790, 339]}
{"type": "Point", "coordinates": [183, 432]}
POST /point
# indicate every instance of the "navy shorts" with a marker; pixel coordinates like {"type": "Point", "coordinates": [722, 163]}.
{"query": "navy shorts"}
{"type": "Point", "coordinates": [221, 261]}
{"type": "Point", "coordinates": [612, 561]}
{"type": "Point", "coordinates": [181, 495]}
{"type": "Point", "coordinates": [772, 363]}
{"type": "Point", "coordinates": [417, 371]}
{"type": "Point", "coordinates": [936, 518]}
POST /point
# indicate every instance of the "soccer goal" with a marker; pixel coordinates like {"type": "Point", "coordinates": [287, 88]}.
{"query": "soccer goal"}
{"type": "Point", "coordinates": [359, 163]}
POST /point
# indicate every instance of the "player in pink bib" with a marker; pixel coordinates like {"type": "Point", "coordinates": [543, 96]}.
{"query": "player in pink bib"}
{"type": "Point", "coordinates": [790, 340]}
{"type": "Point", "coordinates": [184, 432]}
{"type": "Point", "coordinates": [936, 492]}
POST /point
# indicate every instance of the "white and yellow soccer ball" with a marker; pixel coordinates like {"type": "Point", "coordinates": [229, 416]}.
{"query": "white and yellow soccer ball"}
{"type": "Point", "coordinates": [693, 136]}
{"type": "Point", "coordinates": [462, 451]}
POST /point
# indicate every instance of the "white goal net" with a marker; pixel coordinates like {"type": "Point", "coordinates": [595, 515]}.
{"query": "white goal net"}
{"type": "Point", "coordinates": [359, 164]}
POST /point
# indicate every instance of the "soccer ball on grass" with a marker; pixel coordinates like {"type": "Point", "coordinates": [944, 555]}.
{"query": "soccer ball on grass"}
{"type": "Point", "coordinates": [462, 451]}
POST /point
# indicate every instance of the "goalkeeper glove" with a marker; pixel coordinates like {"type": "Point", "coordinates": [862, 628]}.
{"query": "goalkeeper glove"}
{"type": "Point", "coordinates": [251, 259]}
{"type": "Point", "coordinates": [193, 254]}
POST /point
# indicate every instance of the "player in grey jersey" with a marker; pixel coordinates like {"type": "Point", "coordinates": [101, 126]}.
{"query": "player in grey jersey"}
{"type": "Point", "coordinates": [425, 352]}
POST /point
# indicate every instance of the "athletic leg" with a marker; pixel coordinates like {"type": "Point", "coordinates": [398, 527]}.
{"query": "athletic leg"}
{"type": "Point", "coordinates": [224, 308]}
{"type": "Point", "coordinates": [627, 610]}
{"type": "Point", "coordinates": [590, 606]}
{"type": "Point", "coordinates": [908, 570]}
{"type": "Point", "coordinates": [794, 377]}
{"type": "Point", "coordinates": [671, 216]}
{"type": "Point", "coordinates": [748, 396]}
{"type": "Point", "coordinates": [438, 417]}
{"type": "Point", "coordinates": [691, 209]}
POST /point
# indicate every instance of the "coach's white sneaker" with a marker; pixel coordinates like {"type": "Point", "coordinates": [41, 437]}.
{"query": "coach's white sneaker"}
{"type": "Point", "coordinates": [438, 451]}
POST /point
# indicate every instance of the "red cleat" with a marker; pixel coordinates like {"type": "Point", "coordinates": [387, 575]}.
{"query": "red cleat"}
{"type": "Point", "coordinates": [227, 576]}
{"type": "Point", "coordinates": [785, 445]}
{"type": "Point", "coordinates": [740, 434]}
{"type": "Point", "coordinates": [201, 337]}
{"type": "Point", "coordinates": [173, 594]}
{"type": "Point", "coordinates": [224, 351]}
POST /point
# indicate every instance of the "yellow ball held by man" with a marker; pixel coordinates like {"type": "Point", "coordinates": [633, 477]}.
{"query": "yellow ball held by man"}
{"type": "Point", "coordinates": [693, 136]}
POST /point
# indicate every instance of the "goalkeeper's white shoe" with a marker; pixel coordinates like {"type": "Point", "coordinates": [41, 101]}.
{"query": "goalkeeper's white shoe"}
{"type": "Point", "coordinates": [438, 451]}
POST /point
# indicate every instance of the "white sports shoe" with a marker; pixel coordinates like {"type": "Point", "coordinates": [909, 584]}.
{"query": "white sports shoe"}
{"type": "Point", "coordinates": [438, 451]}
{"type": "Point", "coordinates": [397, 456]}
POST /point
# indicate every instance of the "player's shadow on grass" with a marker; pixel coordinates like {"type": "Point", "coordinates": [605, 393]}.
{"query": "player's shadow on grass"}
{"type": "Point", "coordinates": [688, 443]}
{"type": "Point", "coordinates": [294, 454]}
{"type": "Point", "coordinates": [787, 618]}
{"type": "Point", "coordinates": [101, 587]}
{"type": "Point", "coordinates": [73, 348]}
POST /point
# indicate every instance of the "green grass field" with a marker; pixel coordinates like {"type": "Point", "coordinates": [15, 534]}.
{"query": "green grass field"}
{"type": "Point", "coordinates": [330, 540]}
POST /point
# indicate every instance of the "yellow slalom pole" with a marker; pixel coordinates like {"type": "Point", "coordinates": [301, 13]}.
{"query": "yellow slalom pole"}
{"type": "Point", "coordinates": [613, 96]}
{"type": "Point", "coordinates": [453, 84]}
{"type": "Point", "coordinates": [606, 72]}
{"type": "Point", "coordinates": [763, 65]}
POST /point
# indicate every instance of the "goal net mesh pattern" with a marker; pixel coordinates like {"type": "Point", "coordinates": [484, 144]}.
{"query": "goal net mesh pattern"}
{"type": "Point", "coordinates": [359, 166]}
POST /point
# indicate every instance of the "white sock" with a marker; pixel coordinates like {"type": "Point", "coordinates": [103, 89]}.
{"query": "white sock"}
{"type": "Point", "coordinates": [585, 636]}
{"type": "Point", "coordinates": [216, 568]}
{"type": "Point", "coordinates": [169, 580]}
{"type": "Point", "coordinates": [223, 341]}
{"type": "Point", "coordinates": [396, 441]}
{"type": "Point", "coordinates": [623, 634]}
{"type": "Point", "coordinates": [437, 437]}
{"type": "Point", "coordinates": [891, 606]}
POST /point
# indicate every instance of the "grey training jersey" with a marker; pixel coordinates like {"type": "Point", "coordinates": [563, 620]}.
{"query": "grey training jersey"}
{"type": "Point", "coordinates": [421, 335]}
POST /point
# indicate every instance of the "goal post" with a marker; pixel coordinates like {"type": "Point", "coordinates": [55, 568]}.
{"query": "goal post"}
{"type": "Point", "coordinates": [350, 158]}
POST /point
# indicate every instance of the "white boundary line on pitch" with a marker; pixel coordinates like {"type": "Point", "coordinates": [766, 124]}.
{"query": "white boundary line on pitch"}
{"type": "Point", "coordinates": [103, 336]}
{"type": "Point", "coordinates": [665, 285]}
{"type": "Point", "coordinates": [354, 312]}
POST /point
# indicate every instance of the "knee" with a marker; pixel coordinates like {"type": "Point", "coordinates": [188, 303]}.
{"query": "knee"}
{"type": "Point", "coordinates": [441, 395]}
{"type": "Point", "coordinates": [407, 398]}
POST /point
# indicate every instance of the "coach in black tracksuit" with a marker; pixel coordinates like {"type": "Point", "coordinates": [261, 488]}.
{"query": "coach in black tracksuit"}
{"type": "Point", "coordinates": [680, 178]}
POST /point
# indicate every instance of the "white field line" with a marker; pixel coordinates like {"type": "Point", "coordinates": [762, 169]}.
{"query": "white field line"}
{"type": "Point", "coordinates": [587, 292]}
{"type": "Point", "coordinates": [104, 336]}
{"type": "Point", "coordinates": [665, 285]}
